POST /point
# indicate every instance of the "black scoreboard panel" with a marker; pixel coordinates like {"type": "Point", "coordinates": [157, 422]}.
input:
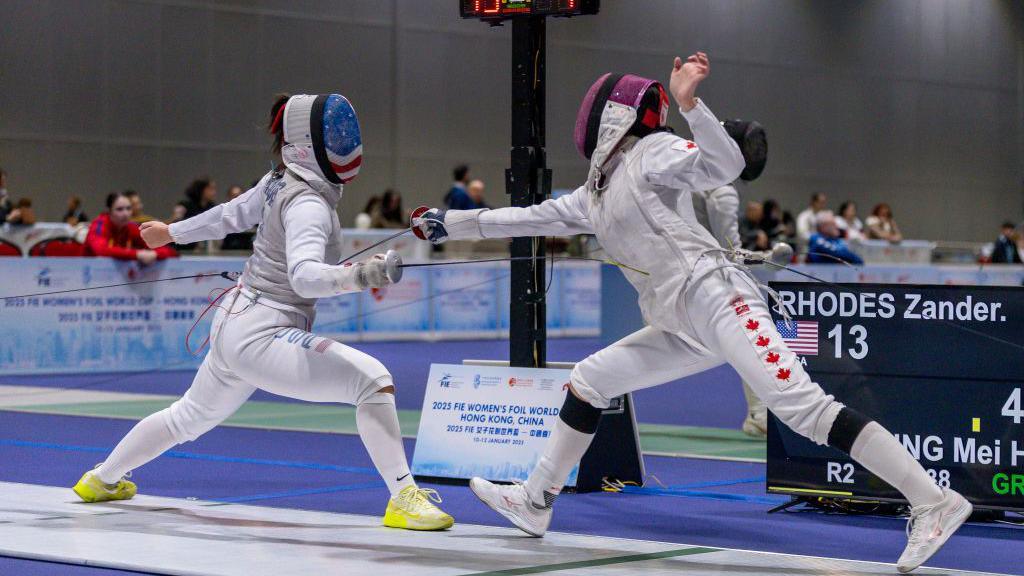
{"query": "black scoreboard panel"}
{"type": "Point", "coordinates": [942, 367]}
{"type": "Point", "coordinates": [504, 9]}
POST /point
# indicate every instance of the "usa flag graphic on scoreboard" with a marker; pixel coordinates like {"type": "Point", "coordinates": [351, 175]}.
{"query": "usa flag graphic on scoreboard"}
{"type": "Point", "coordinates": [801, 336]}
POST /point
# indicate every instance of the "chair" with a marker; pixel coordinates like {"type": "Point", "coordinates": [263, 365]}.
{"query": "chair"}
{"type": "Point", "coordinates": [59, 247]}
{"type": "Point", "coordinates": [9, 249]}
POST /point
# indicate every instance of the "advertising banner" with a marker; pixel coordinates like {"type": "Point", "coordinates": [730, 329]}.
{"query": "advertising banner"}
{"type": "Point", "coordinates": [487, 421]}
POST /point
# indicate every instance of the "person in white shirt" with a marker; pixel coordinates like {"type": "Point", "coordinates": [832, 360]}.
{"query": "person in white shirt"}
{"type": "Point", "coordinates": [260, 336]}
{"type": "Point", "coordinates": [701, 308]}
{"type": "Point", "coordinates": [806, 223]}
{"type": "Point", "coordinates": [850, 226]}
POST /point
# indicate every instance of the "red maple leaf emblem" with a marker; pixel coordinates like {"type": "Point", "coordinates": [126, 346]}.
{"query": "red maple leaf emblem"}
{"type": "Point", "coordinates": [783, 374]}
{"type": "Point", "coordinates": [690, 145]}
{"type": "Point", "coordinates": [753, 324]}
{"type": "Point", "coordinates": [763, 341]}
{"type": "Point", "coordinates": [772, 358]}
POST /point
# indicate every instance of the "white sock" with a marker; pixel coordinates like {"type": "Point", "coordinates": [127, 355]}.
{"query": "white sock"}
{"type": "Point", "coordinates": [563, 451]}
{"type": "Point", "coordinates": [148, 439]}
{"type": "Point", "coordinates": [879, 451]}
{"type": "Point", "coordinates": [377, 422]}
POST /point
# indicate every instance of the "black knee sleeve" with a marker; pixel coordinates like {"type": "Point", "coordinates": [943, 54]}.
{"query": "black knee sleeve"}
{"type": "Point", "coordinates": [846, 428]}
{"type": "Point", "coordinates": [579, 415]}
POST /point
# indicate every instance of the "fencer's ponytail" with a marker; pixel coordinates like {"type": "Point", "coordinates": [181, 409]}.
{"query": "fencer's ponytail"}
{"type": "Point", "coordinates": [276, 125]}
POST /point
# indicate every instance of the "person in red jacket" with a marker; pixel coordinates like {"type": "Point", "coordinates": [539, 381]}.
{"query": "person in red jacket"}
{"type": "Point", "coordinates": [114, 235]}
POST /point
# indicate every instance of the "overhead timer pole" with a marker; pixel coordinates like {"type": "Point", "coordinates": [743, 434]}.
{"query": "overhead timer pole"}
{"type": "Point", "coordinates": [528, 181]}
{"type": "Point", "coordinates": [615, 451]}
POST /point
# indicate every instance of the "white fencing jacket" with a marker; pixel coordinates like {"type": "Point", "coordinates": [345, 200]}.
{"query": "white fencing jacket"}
{"type": "Point", "coordinates": [298, 242]}
{"type": "Point", "coordinates": [637, 201]}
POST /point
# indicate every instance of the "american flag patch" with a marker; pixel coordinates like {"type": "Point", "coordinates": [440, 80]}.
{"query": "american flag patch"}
{"type": "Point", "coordinates": [800, 336]}
{"type": "Point", "coordinates": [323, 345]}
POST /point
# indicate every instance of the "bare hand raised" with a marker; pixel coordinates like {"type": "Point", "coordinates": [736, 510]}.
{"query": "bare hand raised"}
{"type": "Point", "coordinates": [685, 78]}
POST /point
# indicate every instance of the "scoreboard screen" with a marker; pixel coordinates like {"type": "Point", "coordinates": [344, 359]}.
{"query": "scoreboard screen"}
{"type": "Point", "coordinates": [495, 10]}
{"type": "Point", "coordinates": [941, 367]}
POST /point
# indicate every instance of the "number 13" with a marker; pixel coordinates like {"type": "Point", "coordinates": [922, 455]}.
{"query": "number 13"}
{"type": "Point", "coordinates": [860, 336]}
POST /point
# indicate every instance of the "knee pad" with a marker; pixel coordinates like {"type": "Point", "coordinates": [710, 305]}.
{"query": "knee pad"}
{"type": "Point", "coordinates": [847, 426]}
{"type": "Point", "coordinates": [371, 393]}
{"type": "Point", "coordinates": [579, 415]}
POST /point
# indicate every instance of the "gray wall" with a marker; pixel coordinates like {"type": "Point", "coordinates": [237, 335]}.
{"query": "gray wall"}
{"type": "Point", "coordinates": [916, 102]}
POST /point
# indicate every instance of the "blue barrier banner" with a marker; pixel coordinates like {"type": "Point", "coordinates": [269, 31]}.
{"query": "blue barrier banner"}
{"type": "Point", "coordinates": [553, 301]}
{"type": "Point", "coordinates": [580, 295]}
{"type": "Point", "coordinates": [339, 317]}
{"type": "Point", "coordinates": [143, 327]}
{"type": "Point", "coordinates": [398, 311]}
{"type": "Point", "coordinates": [467, 305]}
{"type": "Point", "coordinates": [116, 329]}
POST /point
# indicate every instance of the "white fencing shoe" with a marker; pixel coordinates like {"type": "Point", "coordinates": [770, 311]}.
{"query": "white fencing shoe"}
{"type": "Point", "coordinates": [512, 502]}
{"type": "Point", "coordinates": [930, 526]}
{"type": "Point", "coordinates": [756, 423]}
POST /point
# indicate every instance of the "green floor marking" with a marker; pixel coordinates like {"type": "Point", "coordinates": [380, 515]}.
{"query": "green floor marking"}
{"type": "Point", "coordinates": [330, 418]}
{"type": "Point", "coordinates": [655, 439]}
{"type": "Point", "coordinates": [723, 443]}
{"type": "Point", "coordinates": [597, 562]}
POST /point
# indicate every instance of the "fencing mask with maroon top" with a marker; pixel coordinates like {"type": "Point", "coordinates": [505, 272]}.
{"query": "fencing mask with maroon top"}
{"type": "Point", "coordinates": [646, 96]}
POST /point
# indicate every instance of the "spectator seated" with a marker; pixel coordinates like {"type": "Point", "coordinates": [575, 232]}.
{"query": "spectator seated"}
{"type": "Point", "coordinates": [827, 246]}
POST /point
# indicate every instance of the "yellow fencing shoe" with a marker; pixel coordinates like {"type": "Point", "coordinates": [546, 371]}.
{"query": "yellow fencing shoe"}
{"type": "Point", "coordinates": [415, 508]}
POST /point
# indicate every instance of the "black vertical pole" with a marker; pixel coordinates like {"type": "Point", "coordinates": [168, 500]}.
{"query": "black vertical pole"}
{"type": "Point", "coordinates": [529, 182]}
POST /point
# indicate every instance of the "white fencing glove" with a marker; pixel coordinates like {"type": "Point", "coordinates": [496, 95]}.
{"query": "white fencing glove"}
{"type": "Point", "coordinates": [370, 273]}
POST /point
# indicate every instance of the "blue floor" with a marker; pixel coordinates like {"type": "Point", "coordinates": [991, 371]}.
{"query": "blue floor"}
{"type": "Point", "coordinates": [713, 398]}
{"type": "Point", "coordinates": [719, 503]}
{"type": "Point", "coordinates": [22, 567]}
{"type": "Point", "coordinates": [724, 503]}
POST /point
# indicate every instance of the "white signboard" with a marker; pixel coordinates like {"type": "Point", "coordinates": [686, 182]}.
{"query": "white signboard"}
{"type": "Point", "coordinates": [487, 421]}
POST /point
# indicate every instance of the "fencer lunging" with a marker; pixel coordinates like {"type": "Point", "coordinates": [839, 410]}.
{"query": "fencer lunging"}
{"type": "Point", "coordinates": [260, 336]}
{"type": "Point", "coordinates": [701, 309]}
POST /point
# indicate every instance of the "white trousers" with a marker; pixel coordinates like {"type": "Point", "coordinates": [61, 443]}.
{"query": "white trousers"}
{"type": "Point", "coordinates": [253, 345]}
{"type": "Point", "coordinates": [728, 322]}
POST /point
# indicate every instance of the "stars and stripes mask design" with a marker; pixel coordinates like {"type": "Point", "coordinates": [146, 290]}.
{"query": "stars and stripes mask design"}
{"type": "Point", "coordinates": [321, 134]}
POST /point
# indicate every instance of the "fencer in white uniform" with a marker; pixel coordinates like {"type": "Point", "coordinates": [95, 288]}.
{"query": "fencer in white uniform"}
{"type": "Point", "coordinates": [718, 211]}
{"type": "Point", "coordinates": [701, 309]}
{"type": "Point", "coordinates": [260, 336]}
